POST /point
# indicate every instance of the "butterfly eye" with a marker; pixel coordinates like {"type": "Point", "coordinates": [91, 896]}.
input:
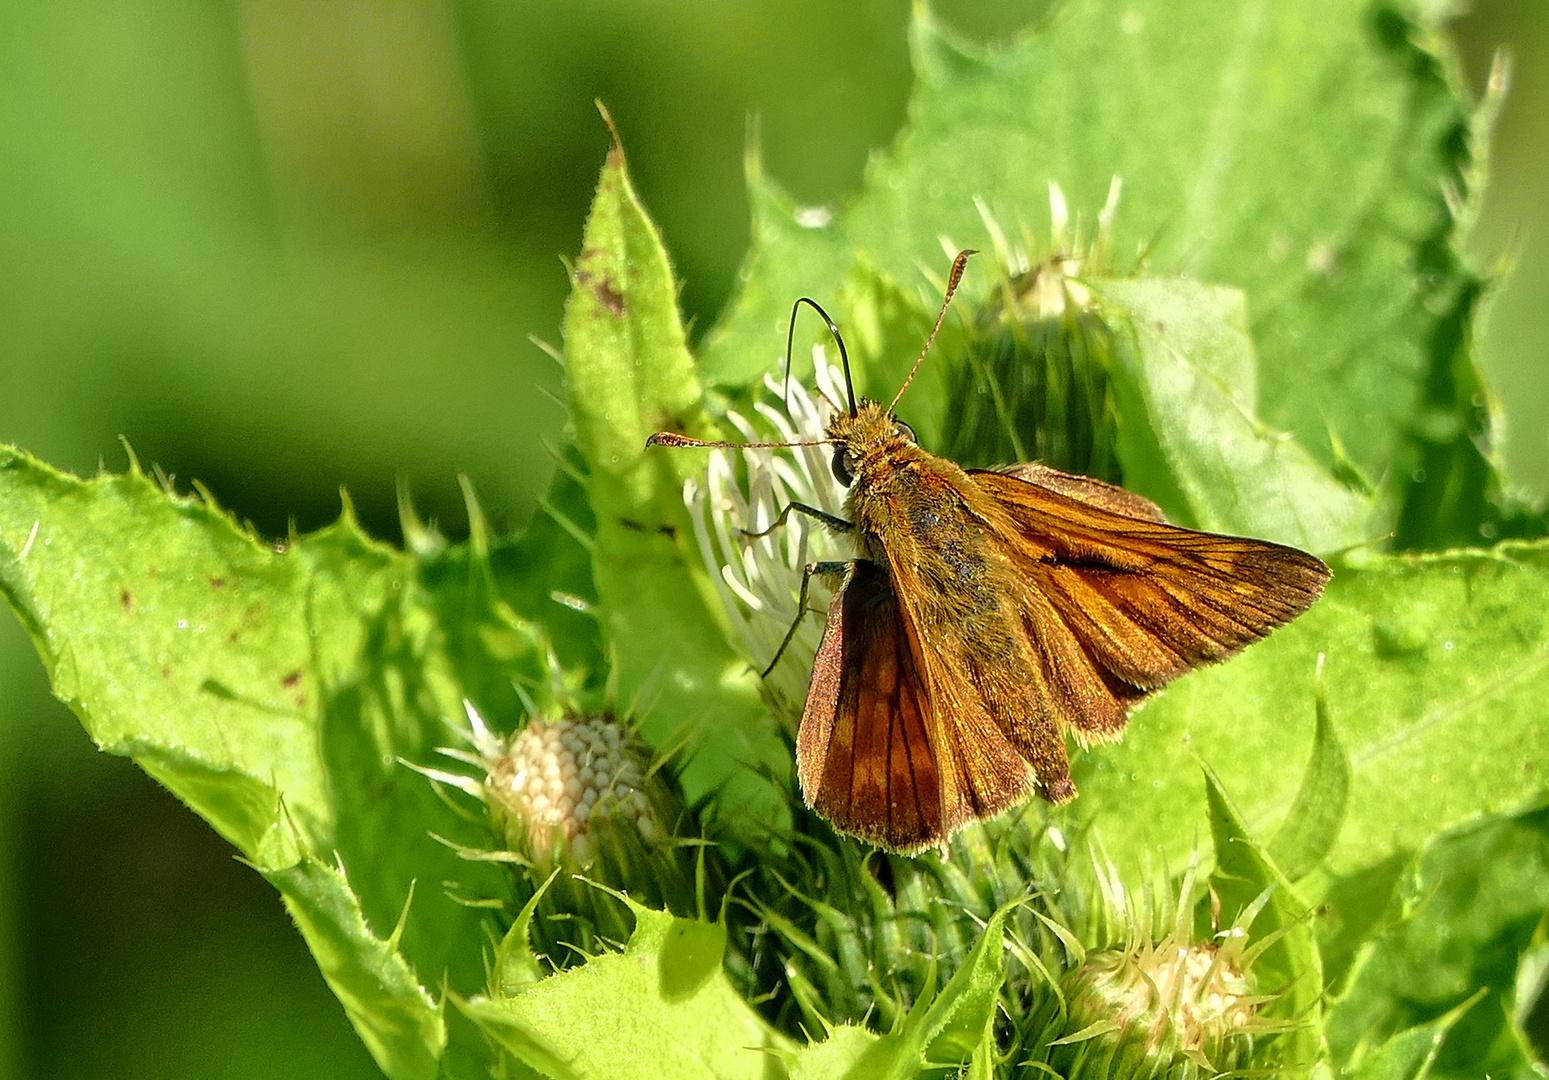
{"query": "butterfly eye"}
{"type": "Point", "coordinates": [841, 467]}
{"type": "Point", "coordinates": [906, 431]}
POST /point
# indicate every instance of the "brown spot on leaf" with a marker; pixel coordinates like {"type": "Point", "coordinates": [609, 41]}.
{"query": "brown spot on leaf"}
{"type": "Point", "coordinates": [610, 298]}
{"type": "Point", "coordinates": [126, 599]}
{"type": "Point", "coordinates": [291, 680]}
{"type": "Point", "coordinates": [603, 290]}
{"type": "Point", "coordinates": [217, 583]}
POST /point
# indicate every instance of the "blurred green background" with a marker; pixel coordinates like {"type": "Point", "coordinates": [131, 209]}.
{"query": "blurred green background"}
{"type": "Point", "coordinates": [284, 246]}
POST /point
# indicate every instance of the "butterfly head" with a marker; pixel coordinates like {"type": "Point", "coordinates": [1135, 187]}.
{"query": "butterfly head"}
{"type": "Point", "coordinates": [865, 439]}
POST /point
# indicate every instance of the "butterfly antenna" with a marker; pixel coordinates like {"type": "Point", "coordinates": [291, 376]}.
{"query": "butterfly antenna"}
{"type": "Point", "coordinates": [672, 438]}
{"type": "Point", "coordinates": [959, 264]}
{"type": "Point", "coordinates": [844, 357]}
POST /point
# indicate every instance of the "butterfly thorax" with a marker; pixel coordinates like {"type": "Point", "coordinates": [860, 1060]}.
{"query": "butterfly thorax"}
{"type": "Point", "coordinates": [914, 513]}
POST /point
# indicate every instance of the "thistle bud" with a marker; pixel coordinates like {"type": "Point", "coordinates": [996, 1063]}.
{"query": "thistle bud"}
{"type": "Point", "coordinates": [559, 784]}
{"type": "Point", "coordinates": [580, 793]}
{"type": "Point", "coordinates": [1038, 388]}
{"type": "Point", "coordinates": [1158, 1007]}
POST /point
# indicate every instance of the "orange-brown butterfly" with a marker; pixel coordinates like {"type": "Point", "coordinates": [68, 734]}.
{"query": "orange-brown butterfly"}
{"type": "Point", "coordinates": [992, 610]}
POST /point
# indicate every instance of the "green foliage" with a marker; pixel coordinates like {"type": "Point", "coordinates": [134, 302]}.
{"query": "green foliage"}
{"type": "Point", "coordinates": [955, 1027]}
{"type": "Point", "coordinates": [660, 1007]}
{"type": "Point", "coordinates": [1187, 388]}
{"type": "Point", "coordinates": [1470, 906]}
{"type": "Point", "coordinates": [1286, 356]}
{"type": "Point", "coordinates": [1434, 670]}
{"type": "Point", "coordinates": [629, 374]}
{"type": "Point", "coordinates": [1293, 154]}
{"type": "Point", "coordinates": [273, 690]}
{"type": "Point", "coordinates": [1313, 823]}
{"type": "Point", "coordinates": [1410, 1054]}
{"type": "Point", "coordinates": [378, 989]}
{"type": "Point", "coordinates": [1245, 877]}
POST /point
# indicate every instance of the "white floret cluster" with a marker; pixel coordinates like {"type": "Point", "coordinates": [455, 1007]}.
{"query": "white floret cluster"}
{"type": "Point", "coordinates": [561, 780]}
{"type": "Point", "coordinates": [758, 579]}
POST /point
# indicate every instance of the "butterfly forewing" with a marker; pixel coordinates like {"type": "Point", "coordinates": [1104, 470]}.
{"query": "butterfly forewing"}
{"type": "Point", "coordinates": [1146, 600]}
{"type": "Point", "coordinates": [1085, 489]}
{"type": "Point", "coordinates": [1003, 612]}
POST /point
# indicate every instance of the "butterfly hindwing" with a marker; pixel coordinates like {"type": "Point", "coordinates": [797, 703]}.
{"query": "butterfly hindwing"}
{"type": "Point", "coordinates": [883, 751]}
{"type": "Point", "coordinates": [867, 762]}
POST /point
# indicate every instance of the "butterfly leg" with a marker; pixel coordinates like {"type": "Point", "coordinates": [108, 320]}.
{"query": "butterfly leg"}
{"type": "Point", "coordinates": [837, 524]}
{"type": "Point", "coordinates": [814, 568]}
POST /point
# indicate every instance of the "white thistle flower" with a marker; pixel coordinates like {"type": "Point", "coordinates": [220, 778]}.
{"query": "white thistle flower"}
{"type": "Point", "coordinates": [1190, 996]}
{"type": "Point", "coordinates": [758, 580]}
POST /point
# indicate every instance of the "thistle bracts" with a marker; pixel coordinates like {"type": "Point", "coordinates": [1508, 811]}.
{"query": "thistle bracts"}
{"type": "Point", "coordinates": [578, 808]}
{"type": "Point", "coordinates": [1035, 386]}
{"type": "Point", "coordinates": [862, 934]}
{"type": "Point", "coordinates": [1147, 992]}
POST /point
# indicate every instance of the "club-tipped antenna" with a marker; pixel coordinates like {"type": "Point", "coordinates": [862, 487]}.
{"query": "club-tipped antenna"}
{"type": "Point", "coordinates": [959, 264]}
{"type": "Point", "coordinates": [790, 338]}
{"type": "Point", "coordinates": [672, 438]}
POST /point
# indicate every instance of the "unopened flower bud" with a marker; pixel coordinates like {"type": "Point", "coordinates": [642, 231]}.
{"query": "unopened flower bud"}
{"type": "Point", "coordinates": [1167, 1003]}
{"type": "Point", "coordinates": [555, 783]}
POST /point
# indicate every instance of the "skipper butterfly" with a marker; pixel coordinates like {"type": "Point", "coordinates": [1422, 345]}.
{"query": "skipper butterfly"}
{"type": "Point", "coordinates": [990, 611]}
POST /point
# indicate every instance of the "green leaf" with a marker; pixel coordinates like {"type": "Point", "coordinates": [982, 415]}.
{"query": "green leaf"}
{"type": "Point", "coordinates": [1437, 668]}
{"type": "Point", "coordinates": [1472, 907]}
{"type": "Point", "coordinates": [1188, 387]}
{"type": "Point", "coordinates": [1296, 153]}
{"type": "Point", "coordinates": [1312, 825]}
{"type": "Point", "coordinates": [491, 649]}
{"type": "Point", "coordinates": [1288, 965]}
{"type": "Point", "coordinates": [630, 374]}
{"type": "Point", "coordinates": [836, 1057]}
{"type": "Point", "coordinates": [515, 962]}
{"type": "Point", "coordinates": [626, 361]}
{"type": "Point", "coordinates": [662, 1007]}
{"type": "Point", "coordinates": [785, 250]}
{"type": "Point", "coordinates": [1532, 985]}
{"type": "Point", "coordinates": [1410, 1054]}
{"type": "Point", "coordinates": [380, 993]}
{"type": "Point", "coordinates": [545, 573]}
{"type": "Point", "coordinates": [952, 1028]}
{"type": "Point", "coordinates": [274, 690]}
